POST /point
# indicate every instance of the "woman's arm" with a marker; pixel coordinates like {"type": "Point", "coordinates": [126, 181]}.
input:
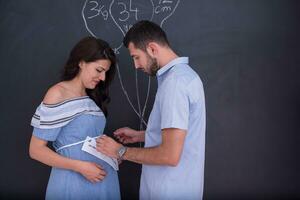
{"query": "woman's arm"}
{"type": "Point", "coordinates": [39, 151]}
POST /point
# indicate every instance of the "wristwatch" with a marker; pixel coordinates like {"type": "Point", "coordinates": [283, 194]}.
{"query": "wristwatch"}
{"type": "Point", "coordinates": [122, 151]}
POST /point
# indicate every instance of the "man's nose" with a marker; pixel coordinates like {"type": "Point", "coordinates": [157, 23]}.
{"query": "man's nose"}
{"type": "Point", "coordinates": [137, 65]}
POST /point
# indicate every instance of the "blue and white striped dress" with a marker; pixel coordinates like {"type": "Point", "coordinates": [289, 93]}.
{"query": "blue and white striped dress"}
{"type": "Point", "coordinates": [66, 123]}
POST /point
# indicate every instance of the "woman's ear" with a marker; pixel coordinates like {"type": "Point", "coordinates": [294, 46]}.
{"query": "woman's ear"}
{"type": "Point", "coordinates": [81, 63]}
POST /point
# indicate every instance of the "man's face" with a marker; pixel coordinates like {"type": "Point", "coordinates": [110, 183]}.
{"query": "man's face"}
{"type": "Point", "coordinates": [143, 61]}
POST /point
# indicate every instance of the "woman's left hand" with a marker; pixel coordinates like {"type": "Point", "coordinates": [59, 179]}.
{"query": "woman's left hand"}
{"type": "Point", "coordinates": [108, 146]}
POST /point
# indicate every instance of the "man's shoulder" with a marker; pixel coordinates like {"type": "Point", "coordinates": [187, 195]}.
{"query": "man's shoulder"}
{"type": "Point", "coordinates": [184, 74]}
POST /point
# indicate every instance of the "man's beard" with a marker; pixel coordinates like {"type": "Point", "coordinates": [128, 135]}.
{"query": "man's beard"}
{"type": "Point", "coordinates": [152, 66]}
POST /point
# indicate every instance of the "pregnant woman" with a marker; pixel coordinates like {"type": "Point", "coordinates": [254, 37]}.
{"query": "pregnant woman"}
{"type": "Point", "coordinates": [71, 111]}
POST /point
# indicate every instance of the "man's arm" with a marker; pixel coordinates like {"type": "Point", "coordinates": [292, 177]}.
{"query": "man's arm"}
{"type": "Point", "coordinates": [167, 153]}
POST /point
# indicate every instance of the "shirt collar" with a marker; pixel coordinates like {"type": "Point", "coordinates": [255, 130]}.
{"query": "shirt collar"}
{"type": "Point", "coordinates": [179, 60]}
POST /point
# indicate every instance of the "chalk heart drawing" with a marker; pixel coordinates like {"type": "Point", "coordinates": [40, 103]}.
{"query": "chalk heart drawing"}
{"type": "Point", "coordinates": [111, 19]}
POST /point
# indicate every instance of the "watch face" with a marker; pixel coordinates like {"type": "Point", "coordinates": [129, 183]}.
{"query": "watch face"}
{"type": "Point", "coordinates": [122, 151]}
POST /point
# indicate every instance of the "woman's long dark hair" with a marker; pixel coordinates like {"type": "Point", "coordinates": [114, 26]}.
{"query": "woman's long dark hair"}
{"type": "Point", "coordinates": [90, 49]}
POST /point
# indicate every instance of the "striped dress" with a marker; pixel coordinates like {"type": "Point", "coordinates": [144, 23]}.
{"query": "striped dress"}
{"type": "Point", "coordinates": [66, 123]}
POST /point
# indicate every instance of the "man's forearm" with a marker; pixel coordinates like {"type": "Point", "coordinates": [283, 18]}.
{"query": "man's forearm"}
{"type": "Point", "coordinates": [167, 153]}
{"type": "Point", "coordinates": [149, 156]}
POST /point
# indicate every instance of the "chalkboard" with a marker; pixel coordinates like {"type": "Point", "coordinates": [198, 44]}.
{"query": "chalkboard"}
{"type": "Point", "coordinates": [246, 53]}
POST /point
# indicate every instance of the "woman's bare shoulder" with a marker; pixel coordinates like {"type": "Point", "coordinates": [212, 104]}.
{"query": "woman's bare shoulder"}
{"type": "Point", "coordinates": [55, 94]}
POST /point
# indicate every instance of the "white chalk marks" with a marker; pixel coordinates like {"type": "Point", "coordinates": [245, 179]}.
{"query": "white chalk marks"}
{"type": "Point", "coordinates": [111, 19]}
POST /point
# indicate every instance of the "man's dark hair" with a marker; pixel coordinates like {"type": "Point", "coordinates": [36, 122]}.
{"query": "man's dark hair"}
{"type": "Point", "coordinates": [143, 32]}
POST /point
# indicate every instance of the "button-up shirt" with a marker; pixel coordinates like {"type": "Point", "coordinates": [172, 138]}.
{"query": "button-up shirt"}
{"type": "Point", "coordinates": [179, 103]}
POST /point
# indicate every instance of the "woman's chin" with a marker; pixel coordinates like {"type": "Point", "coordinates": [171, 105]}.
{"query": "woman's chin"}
{"type": "Point", "coordinates": [91, 87]}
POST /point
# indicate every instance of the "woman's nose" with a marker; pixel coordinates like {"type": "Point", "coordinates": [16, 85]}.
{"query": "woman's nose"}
{"type": "Point", "coordinates": [102, 76]}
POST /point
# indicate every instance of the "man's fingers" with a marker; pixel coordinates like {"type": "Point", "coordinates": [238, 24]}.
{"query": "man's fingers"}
{"type": "Point", "coordinates": [126, 141]}
{"type": "Point", "coordinates": [120, 137]}
{"type": "Point", "coordinates": [101, 140]}
{"type": "Point", "coordinates": [102, 149]}
{"type": "Point", "coordinates": [99, 148]}
{"type": "Point", "coordinates": [118, 132]}
{"type": "Point", "coordinates": [105, 139]}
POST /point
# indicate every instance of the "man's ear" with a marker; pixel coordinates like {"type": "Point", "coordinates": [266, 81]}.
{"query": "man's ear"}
{"type": "Point", "coordinates": [152, 48]}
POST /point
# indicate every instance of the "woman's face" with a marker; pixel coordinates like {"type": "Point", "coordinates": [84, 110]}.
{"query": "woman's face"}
{"type": "Point", "coordinates": [92, 73]}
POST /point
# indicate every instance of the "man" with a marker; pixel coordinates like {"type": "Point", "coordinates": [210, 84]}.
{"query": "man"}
{"type": "Point", "coordinates": [173, 156]}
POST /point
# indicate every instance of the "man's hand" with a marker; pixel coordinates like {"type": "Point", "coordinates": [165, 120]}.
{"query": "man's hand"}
{"type": "Point", "coordinates": [108, 146]}
{"type": "Point", "coordinates": [127, 135]}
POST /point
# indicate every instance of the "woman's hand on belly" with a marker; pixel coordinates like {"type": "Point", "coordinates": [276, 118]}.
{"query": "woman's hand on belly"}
{"type": "Point", "coordinates": [91, 171]}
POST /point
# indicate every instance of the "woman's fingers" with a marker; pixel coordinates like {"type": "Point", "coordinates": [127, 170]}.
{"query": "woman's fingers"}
{"type": "Point", "coordinates": [97, 178]}
{"type": "Point", "coordinates": [99, 166]}
{"type": "Point", "coordinates": [100, 177]}
{"type": "Point", "coordinates": [101, 171]}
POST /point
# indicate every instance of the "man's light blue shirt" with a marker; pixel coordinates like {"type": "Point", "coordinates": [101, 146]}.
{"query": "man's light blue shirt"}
{"type": "Point", "coordinates": [179, 103]}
